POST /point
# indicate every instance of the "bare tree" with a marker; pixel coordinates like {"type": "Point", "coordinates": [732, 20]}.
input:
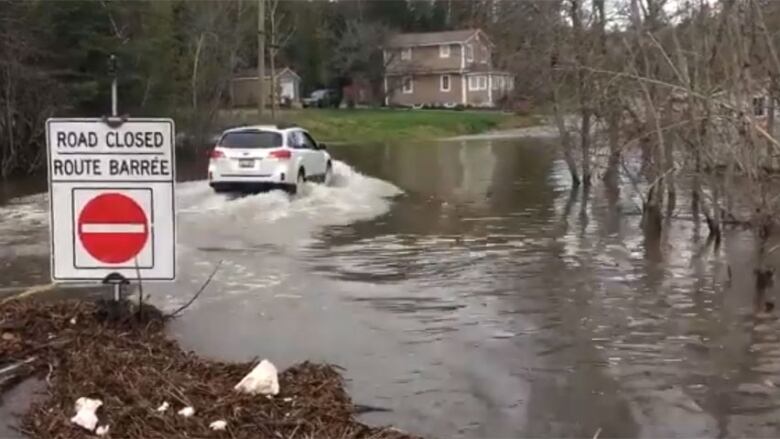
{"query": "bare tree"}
{"type": "Point", "coordinates": [360, 52]}
{"type": "Point", "coordinates": [212, 47]}
{"type": "Point", "coordinates": [281, 29]}
{"type": "Point", "coordinates": [27, 93]}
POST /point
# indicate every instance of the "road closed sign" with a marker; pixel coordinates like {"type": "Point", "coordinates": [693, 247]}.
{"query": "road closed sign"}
{"type": "Point", "coordinates": [111, 190]}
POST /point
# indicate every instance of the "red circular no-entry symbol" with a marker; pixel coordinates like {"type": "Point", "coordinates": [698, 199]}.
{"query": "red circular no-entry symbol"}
{"type": "Point", "coordinates": [113, 228]}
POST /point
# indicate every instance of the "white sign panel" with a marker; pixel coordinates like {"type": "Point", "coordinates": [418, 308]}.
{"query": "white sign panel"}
{"type": "Point", "coordinates": [111, 199]}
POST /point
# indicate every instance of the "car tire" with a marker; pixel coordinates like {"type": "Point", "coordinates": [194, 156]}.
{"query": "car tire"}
{"type": "Point", "coordinates": [328, 179]}
{"type": "Point", "coordinates": [219, 188]}
{"type": "Point", "coordinates": [300, 181]}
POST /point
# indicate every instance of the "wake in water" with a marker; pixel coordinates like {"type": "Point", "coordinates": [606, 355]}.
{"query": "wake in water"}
{"type": "Point", "coordinates": [350, 197]}
{"type": "Point", "coordinates": [207, 218]}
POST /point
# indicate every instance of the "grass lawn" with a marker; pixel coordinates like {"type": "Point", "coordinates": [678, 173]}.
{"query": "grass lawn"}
{"type": "Point", "coordinates": [382, 125]}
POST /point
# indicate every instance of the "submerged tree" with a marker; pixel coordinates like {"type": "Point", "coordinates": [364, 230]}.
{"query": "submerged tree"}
{"type": "Point", "coordinates": [675, 90]}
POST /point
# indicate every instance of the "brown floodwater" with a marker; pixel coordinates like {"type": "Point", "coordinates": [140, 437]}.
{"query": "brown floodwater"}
{"type": "Point", "coordinates": [468, 293]}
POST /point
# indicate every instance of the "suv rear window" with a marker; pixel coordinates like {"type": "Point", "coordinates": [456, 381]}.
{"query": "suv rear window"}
{"type": "Point", "coordinates": [251, 139]}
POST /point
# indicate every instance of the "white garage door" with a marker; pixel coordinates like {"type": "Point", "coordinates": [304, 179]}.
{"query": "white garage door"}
{"type": "Point", "coordinates": [288, 90]}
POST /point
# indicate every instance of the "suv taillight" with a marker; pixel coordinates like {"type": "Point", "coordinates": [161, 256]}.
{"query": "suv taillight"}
{"type": "Point", "coordinates": [281, 154]}
{"type": "Point", "coordinates": [216, 154]}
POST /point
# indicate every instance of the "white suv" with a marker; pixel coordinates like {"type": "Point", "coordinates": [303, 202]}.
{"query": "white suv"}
{"type": "Point", "coordinates": [267, 157]}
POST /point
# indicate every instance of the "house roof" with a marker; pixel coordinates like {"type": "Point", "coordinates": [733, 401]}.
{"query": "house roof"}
{"type": "Point", "coordinates": [433, 38]}
{"type": "Point", "coordinates": [252, 73]}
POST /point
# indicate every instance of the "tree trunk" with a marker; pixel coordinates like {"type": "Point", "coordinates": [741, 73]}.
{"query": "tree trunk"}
{"type": "Point", "coordinates": [233, 57]}
{"type": "Point", "coordinates": [654, 203]}
{"type": "Point", "coordinates": [147, 90]}
{"type": "Point", "coordinates": [652, 219]}
{"type": "Point", "coordinates": [583, 90]}
{"type": "Point", "coordinates": [195, 63]}
{"type": "Point", "coordinates": [585, 128]}
{"type": "Point", "coordinates": [613, 138]}
{"type": "Point", "coordinates": [671, 188]}
{"type": "Point", "coordinates": [566, 141]}
{"type": "Point", "coordinates": [7, 158]}
{"type": "Point", "coordinates": [764, 274]}
{"type": "Point", "coordinates": [770, 126]}
{"type": "Point", "coordinates": [713, 217]}
{"type": "Point", "coordinates": [555, 81]}
{"type": "Point", "coordinates": [274, 98]}
{"type": "Point", "coordinates": [696, 185]}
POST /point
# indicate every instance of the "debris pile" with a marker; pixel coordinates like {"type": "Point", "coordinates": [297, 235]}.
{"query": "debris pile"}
{"type": "Point", "coordinates": [139, 384]}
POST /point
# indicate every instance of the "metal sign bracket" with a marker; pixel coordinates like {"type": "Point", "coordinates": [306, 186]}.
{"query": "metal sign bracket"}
{"type": "Point", "coordinates": [117, 280]}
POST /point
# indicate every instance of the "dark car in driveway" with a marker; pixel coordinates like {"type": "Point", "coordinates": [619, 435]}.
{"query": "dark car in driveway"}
{"type": "Point", "coordinates": [321, 98]}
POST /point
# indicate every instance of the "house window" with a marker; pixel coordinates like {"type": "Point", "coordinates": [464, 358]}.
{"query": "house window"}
{"type": "Point", "coordinates": [444, 51]}
{"type": "Point", "coordinates": [758, 106]}
{"type": "Point", "coordinates": [482, 82]}
{"type": "Point", "coordinates": [406, 54]}
{"type": "Point", "coordinates": [408, 85]}
{"type": "Point", "coordinates": [477, 83]}
{"type": "Point", "coordinates": [501, 83]}
{"type": "Point", "coordinates": [473, 85]}
{"type": "Point", "coordinates": [495, 82]}
{"type": "Point", "coordinates": [445, 83]}
{"type": "Point", "coordinates": [469, 52]}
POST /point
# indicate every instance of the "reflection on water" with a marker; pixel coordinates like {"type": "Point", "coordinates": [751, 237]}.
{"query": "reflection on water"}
{"type": "Point", "coordinates": [468, 291]}
{"type": "Point", "coordinates": [629, 338]}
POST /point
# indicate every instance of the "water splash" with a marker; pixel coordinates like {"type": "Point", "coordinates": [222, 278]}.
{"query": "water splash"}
{"type": "Point", "coordinates": [351, 197]}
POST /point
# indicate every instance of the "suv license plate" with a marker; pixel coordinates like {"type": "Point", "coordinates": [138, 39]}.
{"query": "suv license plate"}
{"type": "Point", "coordinates": [246, 163]}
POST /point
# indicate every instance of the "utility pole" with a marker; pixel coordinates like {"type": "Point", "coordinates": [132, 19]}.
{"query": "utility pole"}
{"type": "Point", "coordinates": [261, 92]}
{"type": "Point", "coordinates": [272, 58]}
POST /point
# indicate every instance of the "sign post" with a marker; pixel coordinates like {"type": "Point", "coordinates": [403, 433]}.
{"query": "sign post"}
{"type": "Point", "coordinates": [112, 69]}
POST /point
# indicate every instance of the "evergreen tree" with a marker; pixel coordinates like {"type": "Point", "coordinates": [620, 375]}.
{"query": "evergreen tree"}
{"type": "Point", "coordinates": [395, 14]}
{"type": "Point", "coordinates": [439, 15]}
{"type": "Point", "coordinates": [80, 39]}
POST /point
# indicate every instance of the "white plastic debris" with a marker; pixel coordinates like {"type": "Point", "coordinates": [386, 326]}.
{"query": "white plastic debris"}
{"type": "Point", "coordinates": [187, 412]}
{"type": "Point", "coordinates": [263, 379]}
{"type": "Point", "coordinates": [218, 425]}
{"type": "Point", "coordinates": [102, 430]}
{"type": "Point", "coordinates": [85, 413]}
{"type": "Point", "coordinates": [73, 321]}
{"type": "Point", "coordinates": [163, 407]}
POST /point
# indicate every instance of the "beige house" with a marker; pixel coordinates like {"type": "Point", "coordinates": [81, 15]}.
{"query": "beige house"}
{"type": "Point", "coordinates": [243, 88]}
{"type": "Point", "coordinates": [443, 69]}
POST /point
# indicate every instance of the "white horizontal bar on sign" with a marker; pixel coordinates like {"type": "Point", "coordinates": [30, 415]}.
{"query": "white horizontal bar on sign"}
{"type": "Point", "coordinates": [112, 228]}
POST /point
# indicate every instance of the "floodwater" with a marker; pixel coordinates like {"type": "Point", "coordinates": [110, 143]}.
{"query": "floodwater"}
{"type": "Point", "coordinates": [468, 293]}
